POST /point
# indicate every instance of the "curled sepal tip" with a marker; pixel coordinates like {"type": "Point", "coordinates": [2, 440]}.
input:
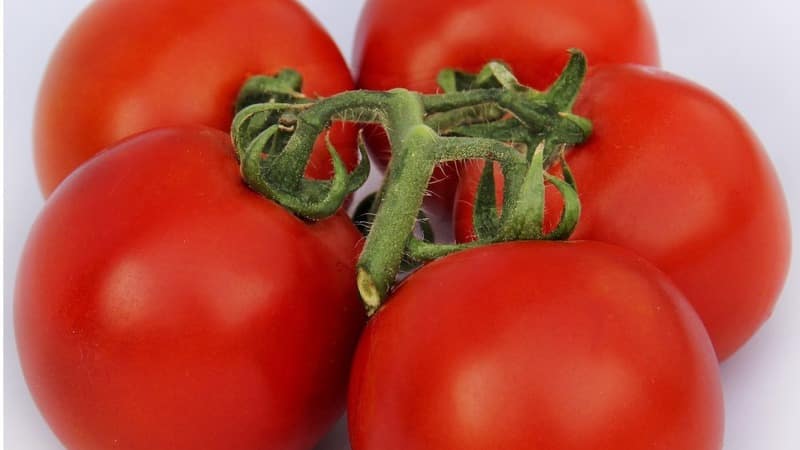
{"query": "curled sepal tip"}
{"type": "Point", "coordinates": [359, 176]}
{"type": "Point", "coordinates": [571, 213]}
{"type": "Point", "coordinates": [251, 160]}
{"type": "Point", "coordinates": [284, 87]}
{"type": "Point", "coordinates": [564, 91]}
{"type": "Point", "coordinates": [313, 199]}
{"type": "Point", "coordinates": [500, 72]}
{"type": "Point", "coordinates": [338, 190]}
{"type": "Point", "coordinates": [253, 120]}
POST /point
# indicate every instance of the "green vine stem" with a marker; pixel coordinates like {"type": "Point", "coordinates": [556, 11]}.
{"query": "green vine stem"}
{"type": "Point", "coordinates": [488, 116]}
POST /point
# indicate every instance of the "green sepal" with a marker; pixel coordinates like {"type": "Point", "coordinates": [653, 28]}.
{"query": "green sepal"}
{"type": "Point", "coordinates": [251, 122]}
{"type": "Point", "coordinates": [251, 161]}
{"type": "Point", "coordinates": [493, 75]}
{"type": "Point", "coordinates": [564, 91]}
{"type": "Point", "coordinates": [571, 213]}
{"type": "Point", "coordinates": [316, 199]}
{"type": "Point", "coordinates": [422, 251]}
{"type": "Point", "coordinates": [451, 80]}
{"type": "Point", "coordinates": [359, 175]}
{"type": "Point", "coordinates": [508, 130]}
{"type": "Point", "coordinates": [284, 87]}
{"type": "Point", "coordinates": [500, 73]}
{"type": "Point", "coordinates": [525, 217]}
{"type": "Point", "coordinates": [448, 123]}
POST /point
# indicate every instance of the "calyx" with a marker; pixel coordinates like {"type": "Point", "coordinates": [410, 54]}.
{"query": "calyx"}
{"type": "Point", "coordinates": [487, 116]}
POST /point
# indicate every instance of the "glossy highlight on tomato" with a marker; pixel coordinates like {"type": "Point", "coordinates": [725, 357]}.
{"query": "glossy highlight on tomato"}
{"type": "Point", "coordinates": [161, 304]}
{"type": "Point", "coordinates": [127, 66]}
{"type": "Point", "coordinates": [406, 44]}
{"type": "Point", "coordinates": [675, 174]}
{"type": "Point", "coordinates": [577, 345]}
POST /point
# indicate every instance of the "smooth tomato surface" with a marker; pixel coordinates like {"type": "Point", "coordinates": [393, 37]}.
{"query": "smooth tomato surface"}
{"type": "Point", "coordinates": [160, 304]}
{"type": "Point", "coordinates": [578, 346]}
{"type": "Point", "coordinates": [406, 44]}
{"type": "Point", "coordinates": [127, 66]}
{"type": "Point", "coordinates": [673, 173]}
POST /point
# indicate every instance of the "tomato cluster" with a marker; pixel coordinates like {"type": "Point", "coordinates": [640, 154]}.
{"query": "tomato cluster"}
{"type": "Point", "coordinates": [163, 303]}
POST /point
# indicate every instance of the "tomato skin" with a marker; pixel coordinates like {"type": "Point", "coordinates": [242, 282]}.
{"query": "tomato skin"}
{"type": "Point", "coordinates": [406, 44]}
{"type": "Point", "coordinates": [160, 304]}
{"type": "Point", "coordinates": [126, 66]}
{"type": "Point", "coordinates": [673, 173]}
{"type": "Point", "coordinates": [524, 345]}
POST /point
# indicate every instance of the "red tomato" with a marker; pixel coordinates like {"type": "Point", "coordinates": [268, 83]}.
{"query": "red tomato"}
{"type": "Point", "coordinates": [673, 173]}
{"type": "Point", "coordinates": [160, 304]}
{"type": "Point", "coordinates": [126, 66]}
{"type": "Point", "coordinates": [578, 346]}
{"type": "Point", "coordinates": [405, 44]}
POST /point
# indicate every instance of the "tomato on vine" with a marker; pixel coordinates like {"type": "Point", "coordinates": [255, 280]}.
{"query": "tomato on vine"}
{"type": "Point", "coordinates": [161, 304]}
{"type": "Point", "coordinates": [127, 66]}
{"type": "Point", "coordinates": [406, 44]}
{"type": "Point", "coordinates": [577, 345]}
{"type": "Point", "coordinates": [674, 173]}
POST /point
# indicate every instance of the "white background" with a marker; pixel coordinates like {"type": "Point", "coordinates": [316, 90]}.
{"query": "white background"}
{"type": "Point", "coordinates": [744, 50]}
